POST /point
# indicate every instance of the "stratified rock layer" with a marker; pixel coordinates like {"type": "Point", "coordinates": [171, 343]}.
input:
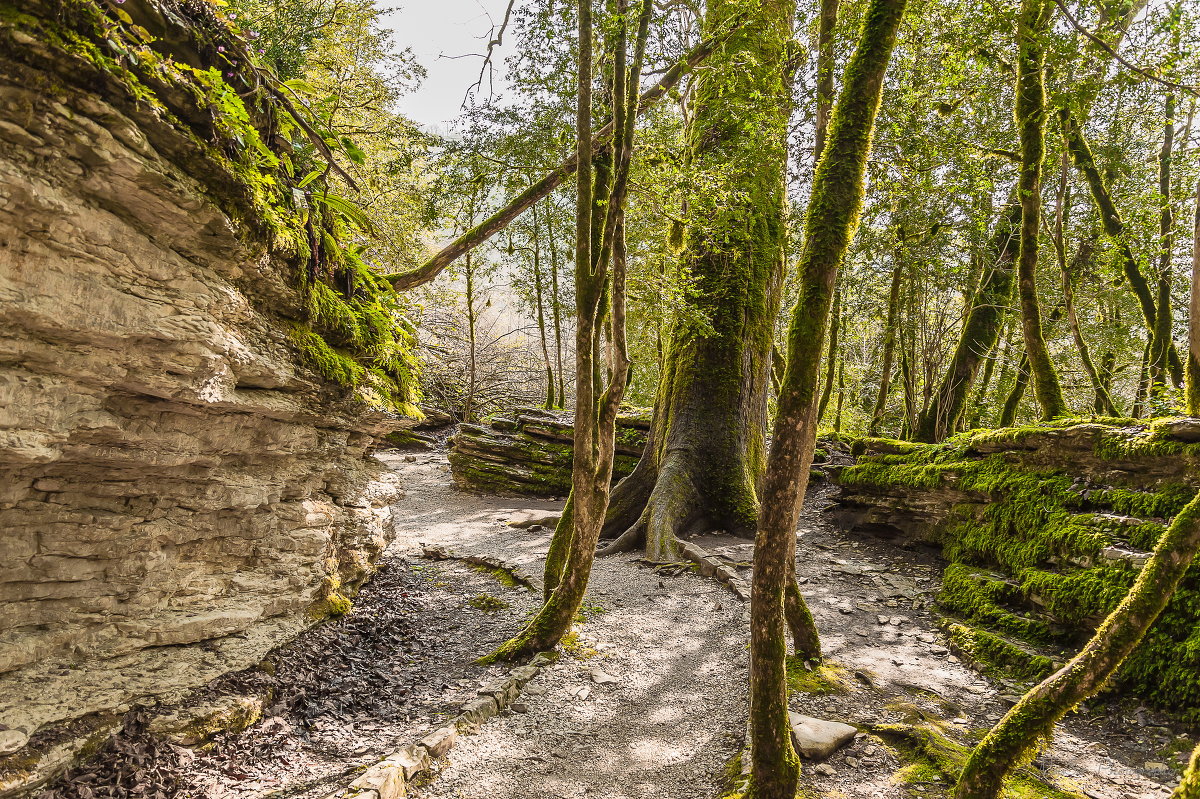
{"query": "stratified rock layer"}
{"type": "Point", "coordinates": [531, 454]}
{"type": "Point", "coordinates": [178, 494]}
{"type": "Point", "coordinates": [1045, 529]}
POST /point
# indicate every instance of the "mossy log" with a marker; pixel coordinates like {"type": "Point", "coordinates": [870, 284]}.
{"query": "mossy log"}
{"type": "Point", "coordinates": [1045, 529]}
{"type": "Point", "coordinates": [530, 455]}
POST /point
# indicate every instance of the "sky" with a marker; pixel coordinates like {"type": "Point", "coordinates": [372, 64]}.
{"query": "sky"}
{"type": "Point", "coordinates": [438, 31]}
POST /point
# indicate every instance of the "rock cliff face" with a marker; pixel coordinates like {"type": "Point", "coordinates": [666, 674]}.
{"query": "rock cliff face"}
{"type": "Point", "coordinates": [178, 493]}
{"type": "Point", "coordinates": [1044, 530]}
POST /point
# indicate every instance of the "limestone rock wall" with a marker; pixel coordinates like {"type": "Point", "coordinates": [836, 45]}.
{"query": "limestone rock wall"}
{"type": "Point", "coordinates": [177, 493]}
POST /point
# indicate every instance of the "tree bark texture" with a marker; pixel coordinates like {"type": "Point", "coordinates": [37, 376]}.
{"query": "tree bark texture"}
{"type": "Point", "coordinates": [829, 227]}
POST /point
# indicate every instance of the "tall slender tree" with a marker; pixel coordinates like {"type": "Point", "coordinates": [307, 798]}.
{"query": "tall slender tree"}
{"type": "Point", "coordinates": [600, 272]}
{"type": "Point", "coordinates": [1032, 27]}
{"type": "Point", "coordinates": [830, 222]}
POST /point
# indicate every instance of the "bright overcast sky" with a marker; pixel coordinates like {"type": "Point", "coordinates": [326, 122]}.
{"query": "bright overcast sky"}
{"type": "Point", "coordinates": [437, 30]}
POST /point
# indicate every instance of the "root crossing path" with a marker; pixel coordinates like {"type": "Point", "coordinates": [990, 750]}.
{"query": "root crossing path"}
{"type": "Point", "coordinates": [649, 696]}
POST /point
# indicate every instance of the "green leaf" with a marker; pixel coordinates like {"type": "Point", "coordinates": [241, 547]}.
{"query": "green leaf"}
{"type": "Point", "coordinates": [347, 209]}
{"type": "Point", "coordinates": [310, 177]}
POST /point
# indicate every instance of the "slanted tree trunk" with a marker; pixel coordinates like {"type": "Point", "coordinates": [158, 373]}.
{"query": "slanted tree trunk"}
{"type": "Point", "coordinates": [1012, 402]}
{"type": "Point", "coordinates": [829, 225]}
{"type": "Point", "coordinates": [1082, 256]}
{"type": "Point", "coordinates": [889, 345]}
{"type": "Point", "coordinates": [535, 192]}
{"type": "Point", "coordinates": [1032, 27]}
{"type": "Point", "coordinates": [600, 269]}
{"type": "Point", "coordinates": [704, 456]}
{"type": "Point", "coordinates": [1114, 228]}
{"type": "Point", "coordinates": [998, 351]}
{"type": "Point", "coordinates": [1033, 718]}
{"type": "Point", "coordinates": [980, 331]}
{"type": "Point", "coordinates": [1193, 370]}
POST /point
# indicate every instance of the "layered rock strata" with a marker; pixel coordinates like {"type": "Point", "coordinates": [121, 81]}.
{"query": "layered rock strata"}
{"type": "Point", "coordinates": [1044, 530]}
{"type": "Point", "coordinates": [178, 492]}
{"type": "Point", "coordinates": [530, 454]}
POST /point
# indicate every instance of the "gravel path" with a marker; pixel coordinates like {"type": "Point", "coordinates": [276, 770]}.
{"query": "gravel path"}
{"type": "Point", "coordinates": [648, 701]}
{"type": "Point", "coordinates": [677, 648]}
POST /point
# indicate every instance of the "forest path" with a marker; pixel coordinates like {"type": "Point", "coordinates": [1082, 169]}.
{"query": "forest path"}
{"type": "Point", "coordinates": [671, 720]}
{"type": "Point", "coordinates": [673, 648]}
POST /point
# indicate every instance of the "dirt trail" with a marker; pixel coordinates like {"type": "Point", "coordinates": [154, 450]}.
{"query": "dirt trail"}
{"type": "Point", "coordinates": [673, 717]}
{"type": "Point", "coordinates": [647, 701]}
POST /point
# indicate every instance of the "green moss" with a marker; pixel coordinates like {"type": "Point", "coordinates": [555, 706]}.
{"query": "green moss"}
{"type": "Point", "coordinates": [503, 576]}
{"type": "Point", "coordinates": [931, 757]}
{"type": "Point", "coordinates": [827, 678]}
{"type": "Point", "coordinates": [1027, 571]}
{"type": "Point", "coordinates": [999, 656]}
{"type": "Point", "coordinates": [487, 603]}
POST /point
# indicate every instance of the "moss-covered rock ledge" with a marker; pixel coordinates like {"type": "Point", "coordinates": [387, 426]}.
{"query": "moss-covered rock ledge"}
{"type": "Point", "coordinates": [1044, 529]}
{"type": "Point", "coordinates": [530, 454]}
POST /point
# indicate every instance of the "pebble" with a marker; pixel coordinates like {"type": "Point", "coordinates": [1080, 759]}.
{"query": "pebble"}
{"type": "Point", "coordinates": [825, 770]}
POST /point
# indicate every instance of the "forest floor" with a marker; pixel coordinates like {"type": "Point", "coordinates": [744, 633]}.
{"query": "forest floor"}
{"type": "Point", "coordinates": [648, 698]}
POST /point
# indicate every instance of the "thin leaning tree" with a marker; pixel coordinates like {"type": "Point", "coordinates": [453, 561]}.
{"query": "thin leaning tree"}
{"type": "Point", "coordinates": [832, 217]}
{"type": "Point", "coordinates": [601, 353]}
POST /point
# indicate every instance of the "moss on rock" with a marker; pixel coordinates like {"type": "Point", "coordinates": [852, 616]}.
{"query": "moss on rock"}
{"type": "Point", "coordinates": [1045, 528]}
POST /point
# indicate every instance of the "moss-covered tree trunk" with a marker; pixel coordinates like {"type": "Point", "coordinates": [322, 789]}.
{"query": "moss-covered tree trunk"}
{"type": "Point", "coordinates": [600, 350]}
{"type": "Point", "coordinates": [1033, 718]}
{"type": "Point", "coordinates": [980, 332]}
{"type": "Point", "coordinates": [829, 227]}
{"type": "Point", "coordinates": [1189, 786]}
{"type": "Point", "coordinates": [1160, 339]}
{"type": "Point", "coordinates": [831, 353]}
{"type": "Point", "coordinates": [1032, 27]}
{"type": "Point", "coordinates": [1103, 402]}
{"type": "Point", "coordinates": [704, 457]}
{"type": "Point", "coordinates": [1114, 228]}
{"type": "Point", "coordinates": [889, 344]}
{"type": "Point", "coordinates": [1193, 367]}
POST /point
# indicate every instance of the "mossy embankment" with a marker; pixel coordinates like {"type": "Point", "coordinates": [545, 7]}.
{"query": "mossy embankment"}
{"type": "Point", "coordinates": [181, 82]}
{"type": "Point", "coordinates": [1044, 529]}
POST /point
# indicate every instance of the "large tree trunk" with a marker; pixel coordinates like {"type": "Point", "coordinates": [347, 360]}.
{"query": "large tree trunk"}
{"type": "Point", "coordinates": [1031, 123]}
{"type": "Point", "coordinates": [832, 215]}
{"type": "Point", "coordinates": [704, 457]}
{"type": "Point", "coordinates": [1033, 718]}
{"type": "Point", "coordinates": [979, 334]}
